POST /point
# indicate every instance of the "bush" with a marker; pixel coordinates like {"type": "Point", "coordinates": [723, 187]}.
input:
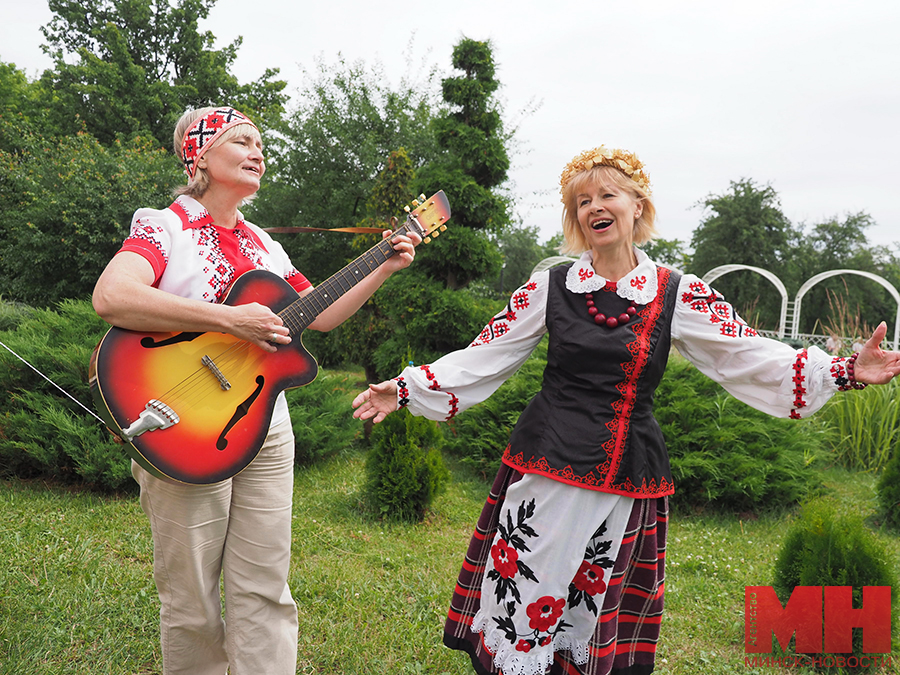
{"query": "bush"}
{"type": "Point", "coordinates": [826, 547]}
{"type": "Point", "coordinates": [67, 204]}
{"type": "Point", "coordinates": [479, 435]}
{"type": "Point", "coordinates": [404, 467]}
{"type": "Point", "coordinates": [721, 450]}
{"type": "Point", "coordinates": [321, 418]}
{"type": "Point", "coordinates": [42, 432]}
{"type": "Point", "coordinates": [888, 490]}
{"type": "Point", "coordinates": [726, 452]}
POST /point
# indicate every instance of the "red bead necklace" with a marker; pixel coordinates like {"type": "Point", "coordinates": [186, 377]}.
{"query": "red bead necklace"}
{"type": "Point", "coordinates": [609, 321]}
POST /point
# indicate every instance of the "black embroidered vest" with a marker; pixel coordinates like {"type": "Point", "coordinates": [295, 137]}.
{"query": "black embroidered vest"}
{"type": "Point", "coordinates": [592, 423]}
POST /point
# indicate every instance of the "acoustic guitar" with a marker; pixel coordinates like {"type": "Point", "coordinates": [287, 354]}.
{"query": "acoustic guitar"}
{"type": "Point", "coordinates": [196, 407]}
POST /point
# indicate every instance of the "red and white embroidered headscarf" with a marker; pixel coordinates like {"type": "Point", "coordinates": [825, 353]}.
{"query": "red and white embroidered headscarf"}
{"type": "Point", "coordinates": [201, 135]}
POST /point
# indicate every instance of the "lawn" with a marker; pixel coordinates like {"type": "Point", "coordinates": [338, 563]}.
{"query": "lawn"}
{"type": "Point", "coordinates": [77, 597]}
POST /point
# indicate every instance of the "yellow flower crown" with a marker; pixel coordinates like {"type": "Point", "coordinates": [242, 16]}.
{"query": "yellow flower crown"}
{"type": "Point", "coordinates": [624, 161]}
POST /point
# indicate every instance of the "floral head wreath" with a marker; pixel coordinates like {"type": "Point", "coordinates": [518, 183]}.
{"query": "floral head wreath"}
{"type": "Point", "coordinates": [201, 135]}
{"type": "Point", "coordinates": [624, 161]}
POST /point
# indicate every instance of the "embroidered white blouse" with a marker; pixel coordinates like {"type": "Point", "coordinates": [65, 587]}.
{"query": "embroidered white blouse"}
{"type": "Point", "coordinates": [194, 258]}
{"type": "Point", "coordinates": [766, 374]}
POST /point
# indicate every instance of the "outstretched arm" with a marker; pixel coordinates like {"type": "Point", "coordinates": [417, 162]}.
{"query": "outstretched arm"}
{"type": "Point", "coordinates": [378, 401]}
{"type": "Point", "coordinates": [874, 365]}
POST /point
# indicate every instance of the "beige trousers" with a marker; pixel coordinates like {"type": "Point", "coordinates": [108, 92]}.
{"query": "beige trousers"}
{"type": "Point", "coordinates": [238, 531]}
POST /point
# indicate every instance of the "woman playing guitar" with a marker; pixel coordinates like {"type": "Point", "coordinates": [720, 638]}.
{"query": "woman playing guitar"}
{"type": "Point", "coordinates": [170, 275]}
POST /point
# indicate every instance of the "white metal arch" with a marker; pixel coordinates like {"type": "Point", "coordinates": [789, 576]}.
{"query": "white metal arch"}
{"type": "Point", "coordinates": [721, 270]}
{"type": "Point", "coordinates": [812, 281]}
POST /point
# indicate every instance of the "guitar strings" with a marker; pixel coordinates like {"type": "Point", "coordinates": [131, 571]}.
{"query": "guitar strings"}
{"type": "Point", "coordinates": [196, 387]}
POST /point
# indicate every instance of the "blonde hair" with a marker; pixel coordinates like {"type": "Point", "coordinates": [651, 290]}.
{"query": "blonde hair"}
{"type": "Point", "coordinates": [602, 175]}
{"type": "Point", "coordinates": [199, 183]}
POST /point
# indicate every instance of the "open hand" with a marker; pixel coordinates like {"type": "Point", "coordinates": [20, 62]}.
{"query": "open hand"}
{"type": "Point", "coordinates": [874, 365]}
{"type": "Point", "coordinates": [376, 402]}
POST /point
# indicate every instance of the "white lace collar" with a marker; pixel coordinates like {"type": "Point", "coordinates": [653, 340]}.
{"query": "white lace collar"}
{"type": "Point", "coordinates": [640, 284]}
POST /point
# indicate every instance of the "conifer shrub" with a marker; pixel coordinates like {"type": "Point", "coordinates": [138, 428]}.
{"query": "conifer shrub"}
{"type": "Point", "coordinates": [830, 547]}
{"type": "Point", "coordinates": [723, 452]}
{"type": "Point", "coordinates": [42, 432]}
{"type": "Point", "coordinates": [888, 490]}
{"type": "Point", "coordinates": [479, 435]}
{"type": "Point", "coordinates": [404, 467]}
{"type": "Point", "coordinates": [320, 416]}
{"type": "Point", "coordinates": [728, 455]}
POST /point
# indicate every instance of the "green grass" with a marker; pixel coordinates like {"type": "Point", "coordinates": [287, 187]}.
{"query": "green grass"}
{"type": "Point", "coordinates": [77, 597]}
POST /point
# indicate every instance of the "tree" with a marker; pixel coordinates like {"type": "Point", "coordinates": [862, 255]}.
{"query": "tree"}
{"type": "Point", "coordinates": [841, 244]}
{"type": "Point", "coordinates": [669, 252]}
{"type": "Point", "coordinates": [745, 226]}
{"type": "Point", "coordinates": [332, 149]}
{"type": "Point", "coordinates": [140, 64]}
{"type": "Point", "coordinates": [471, 168]}
{"type": "Point", "coordinates": [68, 204]}
{"type": "Point", "coordinates": [359, 338]}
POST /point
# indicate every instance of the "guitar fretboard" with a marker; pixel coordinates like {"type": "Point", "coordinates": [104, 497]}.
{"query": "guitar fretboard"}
{"type": "Point", "coordinates": [303, 311]}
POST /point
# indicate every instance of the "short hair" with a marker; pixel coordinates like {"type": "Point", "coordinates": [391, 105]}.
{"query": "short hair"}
{"type": "Point", "coordinates": [575, 242]}
{"type": "Point", "coordinates": [198, 184]}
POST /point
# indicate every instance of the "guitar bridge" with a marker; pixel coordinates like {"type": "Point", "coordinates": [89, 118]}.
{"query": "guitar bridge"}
{"type": "Point", "coordinates": [214, 369]}
{"type": "Point", "coordinates": [155, 415]}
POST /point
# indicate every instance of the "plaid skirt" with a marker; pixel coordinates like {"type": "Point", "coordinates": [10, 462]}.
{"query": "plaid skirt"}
{"type": "Point", "coordinates": [624, 628]}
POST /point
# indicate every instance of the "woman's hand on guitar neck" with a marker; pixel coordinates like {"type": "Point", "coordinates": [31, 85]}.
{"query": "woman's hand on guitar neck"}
{"type": "Point", "coordinates": [376, 402]}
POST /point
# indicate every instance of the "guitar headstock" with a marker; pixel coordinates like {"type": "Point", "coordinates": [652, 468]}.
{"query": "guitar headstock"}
{"type": "Point", "coordinates": [430, 215]}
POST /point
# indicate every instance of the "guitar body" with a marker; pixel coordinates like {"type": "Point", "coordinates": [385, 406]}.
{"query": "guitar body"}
{"type": "Point", "coordinates": [224, 416]}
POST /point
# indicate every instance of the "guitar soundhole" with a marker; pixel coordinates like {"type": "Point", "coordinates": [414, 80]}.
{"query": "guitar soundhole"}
{"type": "Point", "coordinates": [148, 342]}
{"type": "Point", "coordinates": [240, 412]}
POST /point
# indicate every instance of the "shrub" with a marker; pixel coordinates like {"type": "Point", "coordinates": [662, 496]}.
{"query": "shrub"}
{"type": "Point", "coordinates": [404, 467]}
{"type": "Point", "coordinates": [480, 434]}
{"type": "Point", "coordinates": [721, 450]}
{"type": "Point", "coordinates": [726, 452]}
{"type": "Point", "coordinates": [42, 432]}
{"type": "Point", "coordinates": [888, 490]}
{"type": "Point", "coordinates": [826, 547]}
{"type": "Point", "coordinates": [321, 418]}
{"type": "Point", "coordinates": [67, 204]}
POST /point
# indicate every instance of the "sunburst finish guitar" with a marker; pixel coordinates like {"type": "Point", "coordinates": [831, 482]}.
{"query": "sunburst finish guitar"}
{"type": "Point", "coordinates": [196, 407]}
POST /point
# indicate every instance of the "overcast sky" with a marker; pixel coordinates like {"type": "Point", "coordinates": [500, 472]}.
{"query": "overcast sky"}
{"type": "Point", "coordinates": [804, 95]}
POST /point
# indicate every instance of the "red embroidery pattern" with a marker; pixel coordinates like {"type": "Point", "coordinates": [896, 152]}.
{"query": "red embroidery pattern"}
{"type": "Point", "coordinates": [638, 282]}
{"type": "Point", "coordinates": [145, 231]}
{"type": "Point", "coordinates": [591, 482]}
{"type": "Point", "coordinates": [703, 300]}
{"type": "Point", "coordinates": [403, 392]}
{"type": "Point", "coordinates": [434, 386]}
{"type": "Point", "coordinates": [499, 324]}
{"type": "Point", "coordinates": [799, 378]}
{"type": "Point", "coordinates": [454, 406]}
{"type": "Point", "coordinates": [623, 407]}
{"type": "Point", "coordinates": [839, 373]}
{"type": "Point", "coordinates": [584, 275]}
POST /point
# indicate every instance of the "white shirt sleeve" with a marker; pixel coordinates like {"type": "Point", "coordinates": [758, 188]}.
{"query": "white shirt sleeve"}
{"type": "Point", "coordinates": [461, 379]}
{"type": "Point", "coordinates": [765, 374]}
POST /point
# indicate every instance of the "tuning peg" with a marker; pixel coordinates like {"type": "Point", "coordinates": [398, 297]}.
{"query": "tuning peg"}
{"type": "Point", "coordinates": [436, 233]}
{"type": "Point", "coordinates": [422, 198]}
{"type": "Point", "coordinates": [415, 202]}
{"type": "Point", "coordinates": [443, 228]}
{"type": "Point", "coordinates": [406, 208]}
{"type": "Point", "coordinates": [427, 240]}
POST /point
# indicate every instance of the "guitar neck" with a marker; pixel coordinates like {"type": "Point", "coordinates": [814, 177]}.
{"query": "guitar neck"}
{"type": "Point", "coordinates": [302, 312]}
